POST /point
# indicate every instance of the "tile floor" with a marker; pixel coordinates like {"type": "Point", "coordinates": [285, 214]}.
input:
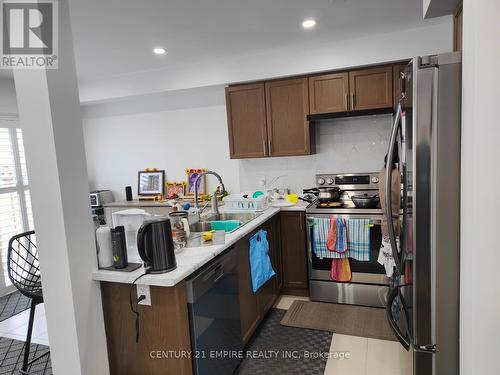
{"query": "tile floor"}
{"type": "Point", "coordinates": [366, 356]}
{"type": "Point", "coordinates": [16, 326]}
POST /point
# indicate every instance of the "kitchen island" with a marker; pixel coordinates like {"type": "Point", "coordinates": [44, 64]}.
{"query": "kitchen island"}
{"type": "Point", "coordinates": [164, 345]}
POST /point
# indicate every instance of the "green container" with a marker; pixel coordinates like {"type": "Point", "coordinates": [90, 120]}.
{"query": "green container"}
{"type": "Point", "coordinates": [225, 225]}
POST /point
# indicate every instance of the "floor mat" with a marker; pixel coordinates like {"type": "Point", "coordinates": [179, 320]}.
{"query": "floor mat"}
{"type": "Point", "coordinates": [337, 318]}
{"type": "Point", "coordinates": [288, 350]}
{"type": "Point", "coordinates": [13, 304]}
{"type": "Point", "coordinates": [11, 357]}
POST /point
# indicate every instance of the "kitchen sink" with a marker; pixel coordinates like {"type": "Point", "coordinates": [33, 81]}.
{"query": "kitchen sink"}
{"type": "Point", "coordinates": [244, 217]}
{"type": "Point", "coordinates": [205, 224]}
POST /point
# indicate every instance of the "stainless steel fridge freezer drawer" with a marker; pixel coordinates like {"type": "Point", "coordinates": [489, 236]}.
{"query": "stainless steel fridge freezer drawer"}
{"type": "Point", "coordinates": [349, 293]}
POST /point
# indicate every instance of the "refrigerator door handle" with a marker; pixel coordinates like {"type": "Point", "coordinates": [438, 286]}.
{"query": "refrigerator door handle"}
{"type": "Point", "coordinates": [403, 340]}
{"type": "Point", "coordinates": [388, 189]}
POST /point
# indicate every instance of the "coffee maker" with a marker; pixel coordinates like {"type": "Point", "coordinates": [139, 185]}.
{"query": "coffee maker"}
{"type": "Point", "coordinates": [156, 246]}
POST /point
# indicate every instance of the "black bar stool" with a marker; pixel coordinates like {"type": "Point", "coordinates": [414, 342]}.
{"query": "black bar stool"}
{"type": "Point", "coordinates": [24, 273]}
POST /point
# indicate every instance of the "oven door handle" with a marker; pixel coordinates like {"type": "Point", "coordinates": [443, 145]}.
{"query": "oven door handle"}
{"type": "Point", "coordinates": [388, 189]}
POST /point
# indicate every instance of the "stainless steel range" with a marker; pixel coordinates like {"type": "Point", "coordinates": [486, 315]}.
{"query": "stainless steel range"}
{"type": "Point", "coordinates": [369, 285]}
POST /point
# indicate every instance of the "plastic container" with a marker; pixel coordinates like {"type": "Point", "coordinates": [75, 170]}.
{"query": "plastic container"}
{"type": "Point", "coordinates": [131, 220]}
{"type": "Point", "coordinates": [238, 202]}
{"type": "Point", "coordinates": [225, 225]}
{"type": "Point", "coordinates": [104, 249]}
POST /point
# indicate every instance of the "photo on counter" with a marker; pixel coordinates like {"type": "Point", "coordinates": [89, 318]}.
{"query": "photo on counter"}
{"type": "Point", "coordinates": [192, 175]}
{"type": "Point", "coordinates": [150, 183]}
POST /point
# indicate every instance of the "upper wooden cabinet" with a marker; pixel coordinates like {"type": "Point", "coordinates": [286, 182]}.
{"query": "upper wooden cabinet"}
{"type": "Point", "coordinates": [371, 88]}
{"type": "Point", "coordinates": [329, 93]}
{"type": "Point", "coordinates": [246, 118]}
{"type": "Point", "coordinates": [287, 105]}
{"type": "Point", "coordinates": [270, 118]}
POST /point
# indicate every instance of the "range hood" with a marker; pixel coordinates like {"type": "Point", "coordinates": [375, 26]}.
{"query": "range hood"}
{"type": "Point", "coordinates": [367, 112]}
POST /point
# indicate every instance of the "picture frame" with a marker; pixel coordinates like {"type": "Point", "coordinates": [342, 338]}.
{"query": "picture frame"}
{"type": "Point", "coordinates": [150, 182]}
{"type": "Point", "coordinates": [177, 188]}
{"type": "Point", "coordinates": [191, 175]}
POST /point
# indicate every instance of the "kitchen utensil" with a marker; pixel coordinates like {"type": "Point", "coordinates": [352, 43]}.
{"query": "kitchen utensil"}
{"type": "Point", "coordinates": [119, 247]}
{"type": "Point", "coordinates": [180, 229]}
{"type": "Point", "coordinates": [366, 200]}
{"type": "Point", "coordinates": [293, 198]}
{"type": "Point", "coordinates": [257, 194]}
{"type": "Point", "coordinates": [104, 249]}
{"type": "Point", "coordinates": [128, 193]}
{"type": "Point", "coordinates": [325, 194]}
{"type": "Point", "coordinates": [156, 246]}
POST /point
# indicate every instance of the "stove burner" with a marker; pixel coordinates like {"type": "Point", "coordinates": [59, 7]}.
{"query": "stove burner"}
{"type": "Point", "coordinates": [330, 205]}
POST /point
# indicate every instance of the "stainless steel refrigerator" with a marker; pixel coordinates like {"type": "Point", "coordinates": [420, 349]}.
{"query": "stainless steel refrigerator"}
{"type": "Point", "coordinates": [423, 310]}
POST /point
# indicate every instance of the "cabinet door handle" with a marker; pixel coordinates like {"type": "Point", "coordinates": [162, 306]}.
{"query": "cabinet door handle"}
{"type": "Point", "coordinates": [346, 101]}
{"type": "Point", "coordinates": [270, 145]}
{"type": "Point", "coordinates": [264, 146]}
{"type": "Point", "coordinates": [353, 101]}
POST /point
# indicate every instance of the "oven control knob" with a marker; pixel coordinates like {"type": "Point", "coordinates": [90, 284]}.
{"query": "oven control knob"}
{"type": "Point", "coordinates": [329, 181]}
{"type": "Point", "coordinates": [321, 181]}
{"type": "Point", "coordinates": [374, 180]}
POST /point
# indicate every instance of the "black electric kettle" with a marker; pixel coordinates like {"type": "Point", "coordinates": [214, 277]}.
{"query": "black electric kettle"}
{"type": "Point", "coordinates": [155, 245]}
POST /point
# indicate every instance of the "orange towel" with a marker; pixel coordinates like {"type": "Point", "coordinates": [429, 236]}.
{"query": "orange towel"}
{"type": "Point", "coordinates": [332, 235]}
{"type": "Point", "coordinates": [341, 270]}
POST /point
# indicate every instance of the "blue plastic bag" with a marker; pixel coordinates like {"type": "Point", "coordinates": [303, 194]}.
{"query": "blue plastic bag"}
{"type": "Point", "coordinates": [261, 268]}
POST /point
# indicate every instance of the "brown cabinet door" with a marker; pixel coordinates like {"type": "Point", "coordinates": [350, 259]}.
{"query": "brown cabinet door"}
{"type": "Point", "coordinates": [278, 265]}
{"type": "Point", "coordinates": [371, 88]}
{"type": "Point", "coordinates": [287, 105]}
{"type": "Point", "coordinates": [249, 305]}
{"type": "Point", "coordinates": [268, 293]}
{"type": "Point", "coordinates": [329, 93]}
{"type": "Point", "coordinates": [246, 119]}
{"type": "Point", "coordinates": [293, 248]}
{"type": "Point", "coordinates": [397, 70]}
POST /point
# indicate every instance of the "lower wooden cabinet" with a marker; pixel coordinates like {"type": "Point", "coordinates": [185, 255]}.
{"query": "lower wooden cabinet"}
{"type": "Point", "coordinates": [249, 305]}
{"type": "Point", "coordinates": [293, 250]}
{"type": "Point", "coordinates": [254, 306]}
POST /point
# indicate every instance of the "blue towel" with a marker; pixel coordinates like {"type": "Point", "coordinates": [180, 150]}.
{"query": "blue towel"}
{"type": "Point", "coordinates": [341, 241]}
{"type": "Point", "coordinates": [358, 234]}
{"type": "Point", "coordinates": [261, 268]}
{"type": "Point", "coordinates": [321, 226]}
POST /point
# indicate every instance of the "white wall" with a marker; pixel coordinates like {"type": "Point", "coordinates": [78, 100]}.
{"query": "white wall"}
{"type": "Point", "coordinates": [187, 130]}
{"type": "Point", "coordinates": [347, 145]}
{"type": "Point", "coordinates": [8, 104]}
{"type": "Point", "coordinates": [480, 248]}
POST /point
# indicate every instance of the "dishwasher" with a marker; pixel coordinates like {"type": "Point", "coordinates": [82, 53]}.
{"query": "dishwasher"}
{"type": "Point", "coordinates": [214, 316]}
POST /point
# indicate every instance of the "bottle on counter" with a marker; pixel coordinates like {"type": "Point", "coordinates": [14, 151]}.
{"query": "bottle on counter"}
{"type": "Point", "coordinates": [104, 247]}
{"type": "Point", "coordinates": [119, 247]}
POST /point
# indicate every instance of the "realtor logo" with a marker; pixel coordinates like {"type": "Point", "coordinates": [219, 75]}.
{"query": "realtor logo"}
{"type": "Point", "coordinates": [28, 34]}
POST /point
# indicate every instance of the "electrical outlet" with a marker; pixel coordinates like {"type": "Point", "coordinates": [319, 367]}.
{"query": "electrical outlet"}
{"type": "Point", "coordinates": [262, 182]}
{"type": "Point", "coordinates": [144, 290]}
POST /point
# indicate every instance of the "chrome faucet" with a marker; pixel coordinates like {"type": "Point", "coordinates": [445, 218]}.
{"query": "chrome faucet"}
{"type": "Point", "coordinates": [215, 207]}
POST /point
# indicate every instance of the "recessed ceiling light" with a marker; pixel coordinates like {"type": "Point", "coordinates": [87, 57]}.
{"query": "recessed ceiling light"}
{"type": "Point", "coordinates": [308, 23]}
{"type": "Point", "coordinates": [159, 51]}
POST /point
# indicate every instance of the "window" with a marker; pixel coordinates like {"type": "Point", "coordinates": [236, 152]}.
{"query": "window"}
{"type": "Point", "coordinates": [15, 202]}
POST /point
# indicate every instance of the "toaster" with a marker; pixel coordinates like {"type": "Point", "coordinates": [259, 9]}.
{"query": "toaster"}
{"type": "Point", "coordinates": [99, 198]}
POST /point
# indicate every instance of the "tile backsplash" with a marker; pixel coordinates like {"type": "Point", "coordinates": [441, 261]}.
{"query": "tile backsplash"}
{"type": "Point", "coordinates": [347, 145]}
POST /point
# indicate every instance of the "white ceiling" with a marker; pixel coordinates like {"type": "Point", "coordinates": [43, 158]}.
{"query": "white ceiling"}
{"type": "Point", "coordinates": [116, 37]}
